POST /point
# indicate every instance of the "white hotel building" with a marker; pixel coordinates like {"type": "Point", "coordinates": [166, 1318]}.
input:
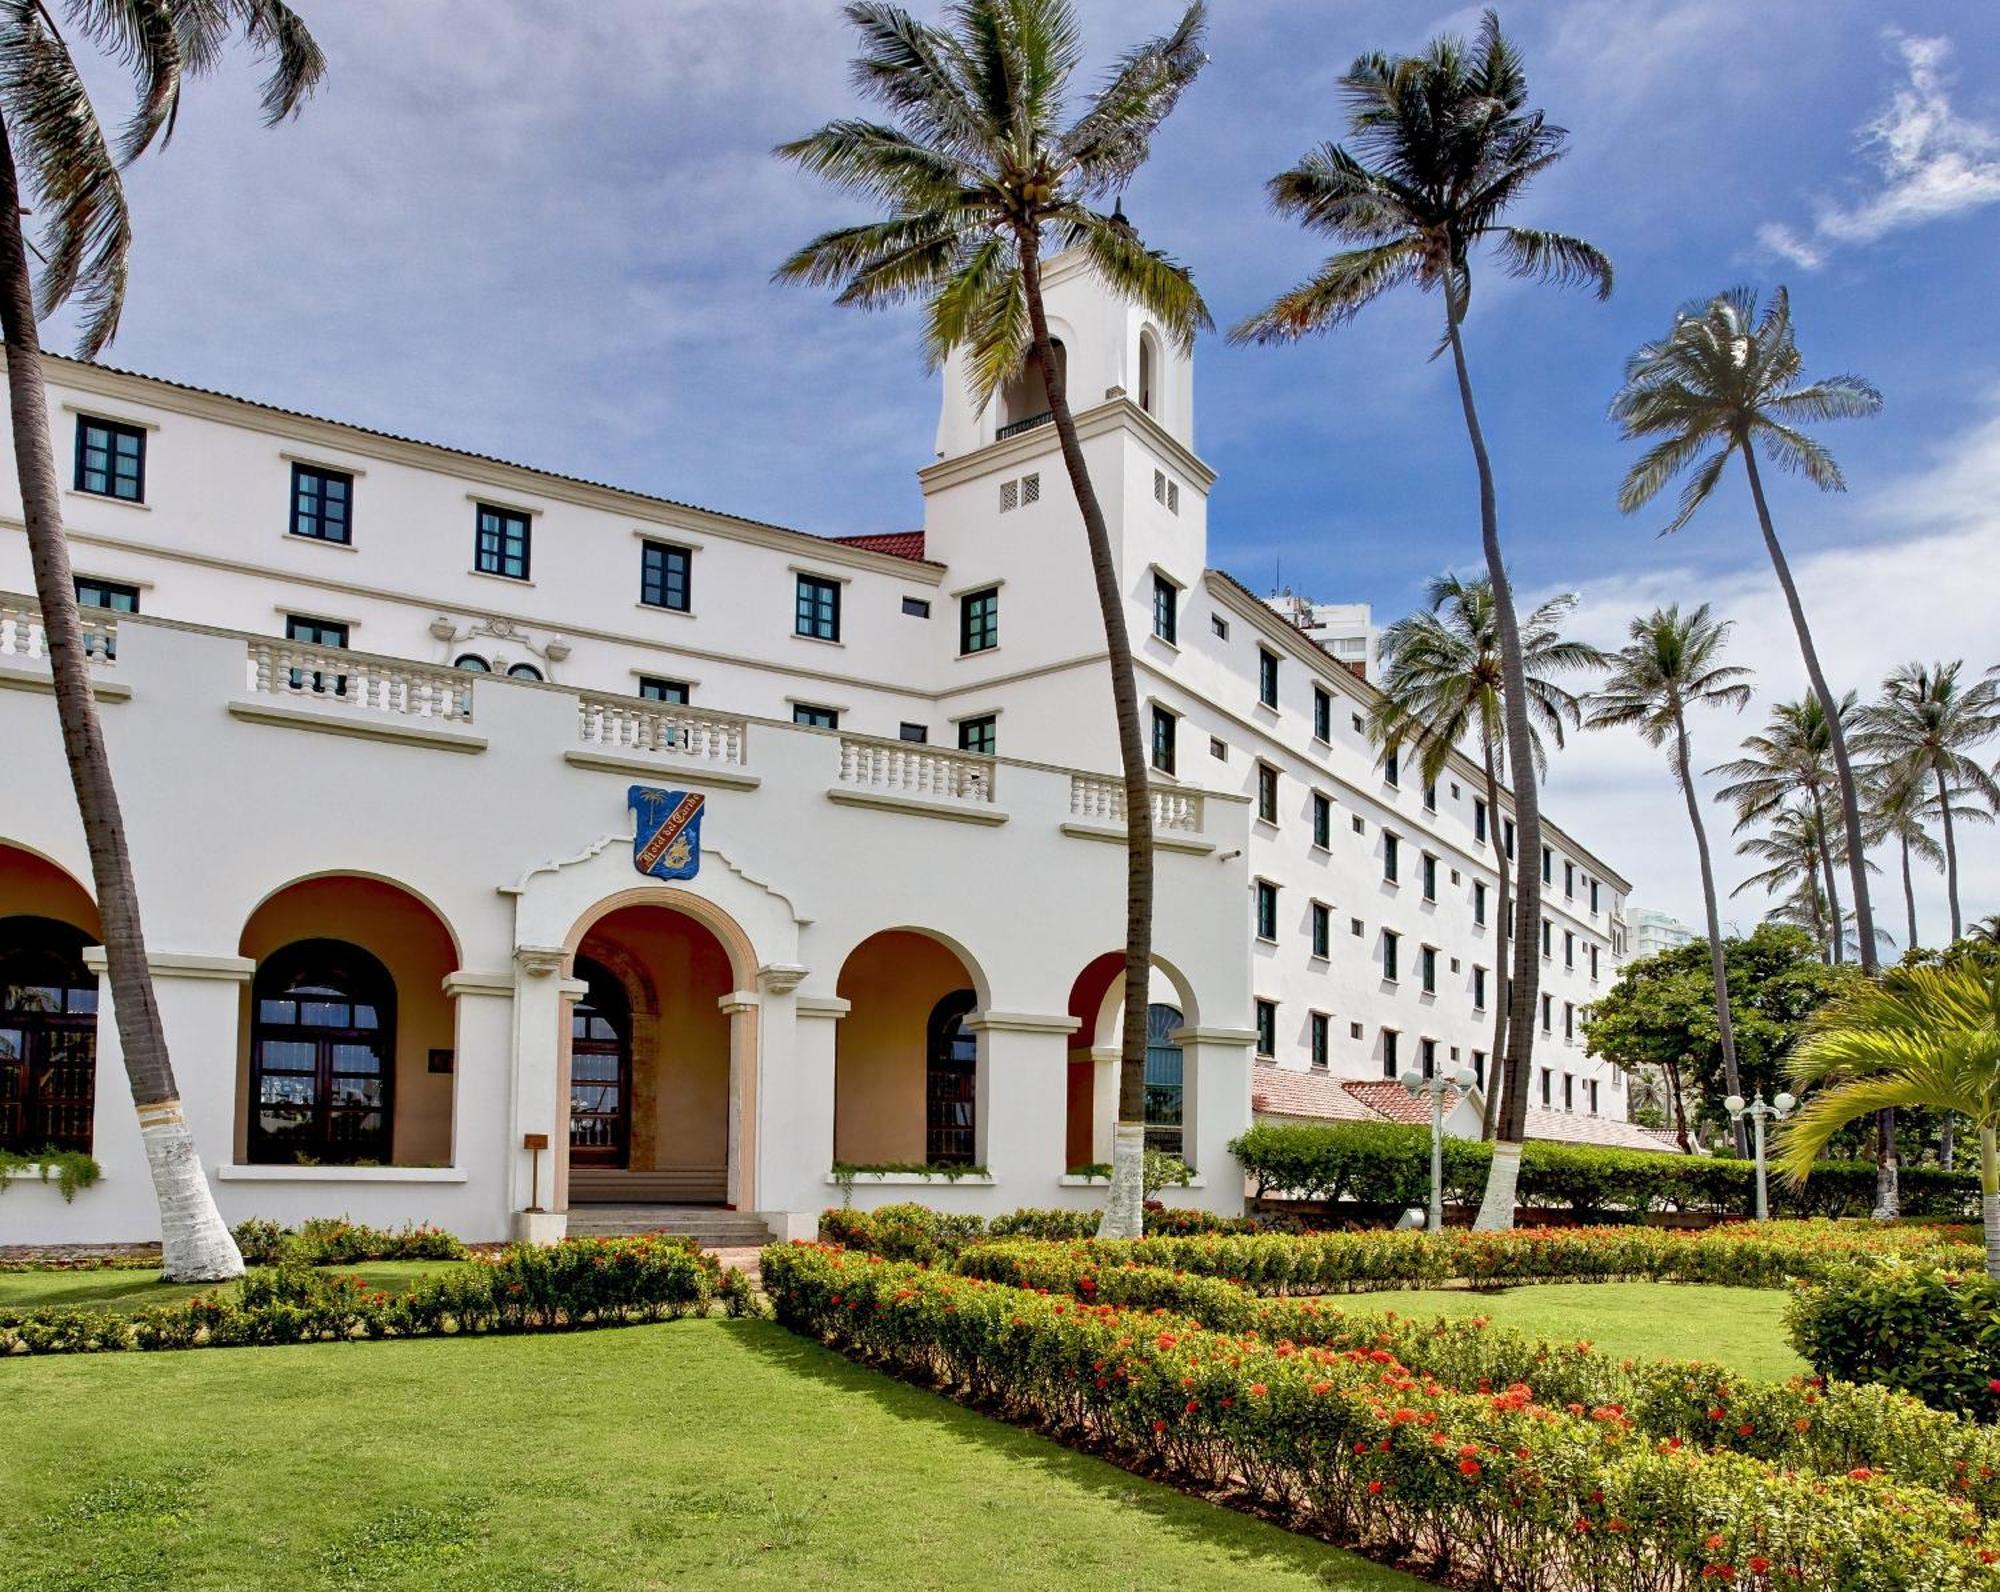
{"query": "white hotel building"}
{"type": "Point", "coordinates": [375, 708]}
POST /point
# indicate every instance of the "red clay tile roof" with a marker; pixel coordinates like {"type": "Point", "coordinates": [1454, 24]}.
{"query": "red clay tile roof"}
{"type": "Point", "coordinates": [1573, 1127]}
{"type": "Point", "coordinates": [1287, 1092]}
{"type": "Point", "coordinates": [1384, 1097]}
{"type": "Point", "coordinates": [897, 544]}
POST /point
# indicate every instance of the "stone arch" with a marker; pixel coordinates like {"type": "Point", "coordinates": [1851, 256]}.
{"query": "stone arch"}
{"type": "Point", "coordinates": [402, 886]}
{"type": "Point", "coordinates": [719, 922]}
{"type": "Point", "coordinates": [894, 981]}
{"type": "Point", "coordinates": [34, 884]}
{"type": "Point", "coordinates": [1097, 1002]}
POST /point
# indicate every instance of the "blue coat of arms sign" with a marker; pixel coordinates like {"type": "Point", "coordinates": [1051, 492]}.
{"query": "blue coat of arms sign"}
{"type": "Point", "coordinates": [666, 843]}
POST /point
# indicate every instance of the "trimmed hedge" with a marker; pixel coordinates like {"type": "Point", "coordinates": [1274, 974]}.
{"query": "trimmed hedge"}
{"type": "Point", "coordinates": [916, 1232]}
{"type": "Point", "coordinates": [1492, 1487]}
{"type": "Point", "coordinates": [1741, 1254]}
{"type": "Point", "coordinates": [1388, 1164]}
{"type": "Point", "coordinates": [1830, 1429]}
{"type": "Point", "coordinates": [524, 1288]}
{"type": "Point", "coordinates": [1925, 1329]}
{"type": "Point", "coordinates": [335, 1241]}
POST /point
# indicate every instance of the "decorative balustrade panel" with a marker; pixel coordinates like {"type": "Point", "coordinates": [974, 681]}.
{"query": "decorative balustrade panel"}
{"type": "Point", "coordinates": [382, 685]}
{"type": "Point", "coordinates": [906, 769]}
{"type": "Point", "coordinates": [661, 727]}
{"type": "Point", "coordinates": [1097, 800]}
{"type": "Point", "coordinates": [22, 634]}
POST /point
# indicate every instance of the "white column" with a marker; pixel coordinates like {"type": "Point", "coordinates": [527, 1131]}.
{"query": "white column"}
{"type": "Point", "coordinates": [741, 1005]}
{"type": "Point", "coordinates": [1215, 1107]}
{"type": "Point", "coordinates": [542, 998]}
{"type": "Point", "coordinates": [1104, 1060]}
{"type": "Point", "coordinates": [481, 1096]}
{"type": "Point", "coordinates": [1021, 1099]}
{"type": "Point", "coordinates": [797, 1035]}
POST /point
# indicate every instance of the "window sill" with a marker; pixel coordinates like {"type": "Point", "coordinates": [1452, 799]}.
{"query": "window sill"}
{"type": "Point", "coordinates": [319, 541]}
{"type": "Point", "coordinates": [1268, 939]}
{"type": "Point", "coordinates": [662, 608]}
{"type": "Point", "coordinates": [977, 652]}
{"type": "Point", "coordinates": [1267, 825]}
{"type": "Point", "coordinates": [912, 1180]}
{"type": "Point", "coordinates": [339, 1174]}
{"type": "Point", "coordinates": [106, 497]}
{"type": "Point", "coordinates": [1160, 640]}
{"type": "Point", "coordinates": [819, 641]}
{"type": "Point", "coordinates": [493, 574]}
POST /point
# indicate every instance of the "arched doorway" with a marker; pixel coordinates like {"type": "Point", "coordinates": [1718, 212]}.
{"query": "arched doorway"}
{"type": "Point", "coordinates": [1096, 1001]}
{"type": "Point", "coordinates": [1165, 1082]}
{"type": "Point", "coordinates": [905, 1075]}
{"type": "Point", "coordinates": [951, 1083]}
{"type": "Point", "coordinates": [322, 1057]}
{"type": "Point", "coordinates": [600, 1071]}
{"type": "Point", "coordinates": [48, 1036]}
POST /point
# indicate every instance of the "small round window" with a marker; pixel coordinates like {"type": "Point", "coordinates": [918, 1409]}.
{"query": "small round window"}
{"type": "Point", "coordinates": [524, 671]}
{"type": "Point", "coordinates": [472, 663]}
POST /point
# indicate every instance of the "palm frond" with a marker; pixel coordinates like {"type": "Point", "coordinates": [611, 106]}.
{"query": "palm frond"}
{"type": "Point", "coordinates": [1341, 288]}
{"type": "Point", "coordinates": [1112, 139]}
{"type": "Point", "coordinates": [1555, 257]}
{"type": "Point", "coordinates": [1161, 286]}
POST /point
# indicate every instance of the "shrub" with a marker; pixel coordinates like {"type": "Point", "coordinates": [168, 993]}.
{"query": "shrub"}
{"type": "Point", "coordinates": [1490, 1487]}
{"type": "Point", "coordinates": [1920, 1327]}
{"type": "Point", "coordinates": [1832, 1428]}
{"type": "Point", "coordinates": [916, 1232]}
{"type": "Point", "coordinates": [523, 1288]}
{"type": "Point", "coordinates": [1385, 1163]}
{"type": "Point", "coordinates": [335, 1241]}
{"type": "Point", "coordinates": [69, 1170]}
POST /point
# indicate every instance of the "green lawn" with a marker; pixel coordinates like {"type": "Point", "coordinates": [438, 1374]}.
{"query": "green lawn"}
{"type": "Point", "coordinates": [1743, 1328]}
{"type": "Point", "coordinates": [135, 1290]}
{"type": "Point", "coordinates": [695, 1453]}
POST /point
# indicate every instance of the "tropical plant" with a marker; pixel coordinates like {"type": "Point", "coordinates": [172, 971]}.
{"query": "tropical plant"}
{"type": "Point", "coordinates": [1922, 1036]}
{"type": "Point", "coordinates": [57, 163]}
{"type": "Point", "coordinates": [977, 167]}
{"type": "Point", "coordinates": [1441, 145]}
{"type": "Point", "coordinates": [1721, 382]}
{"type": "Point", "coordinates": [1791, 756]}
{"type": "Point", "coordinates": [1442, 685]}
{"type": "Point", "coordinates": [1927, 721]}
{"type": "Point", "coordinates": [1672, 663]}
{"type": "Point", "coordinates": [1898, 801]}
{"type": "Point", "coordinates": [1795, 847]}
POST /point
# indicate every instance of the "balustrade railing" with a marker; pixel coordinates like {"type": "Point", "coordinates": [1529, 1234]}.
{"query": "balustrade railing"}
{"type": "Point", "coordinates": [1100, 800]}
{"type": "Point", "coordinates": [360, 680]}
{"type": "Point", "coordinates": [22, 634]}
{"type": "Point", "coordinates": [641, 726]}
{"type": "Point", "coordinates": [901, 768]}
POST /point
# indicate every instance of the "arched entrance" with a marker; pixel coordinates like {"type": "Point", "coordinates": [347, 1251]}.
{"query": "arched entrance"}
{"type": "Point", "coordinates": [48, 1037]}
{"type": "Point", "coordinates": [905, 1076]}
{"type": "Point", "coordinates": [649, 1060]}
{"type": "Point", "coordinates": [1096, 1001]}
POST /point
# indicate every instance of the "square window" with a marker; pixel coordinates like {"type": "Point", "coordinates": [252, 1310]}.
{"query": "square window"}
{"type": "Point", "coordinates": [916, 734]}
{"type": "Point", "coordinates": [94, 593]}
{"type": "Point", "coordinates": [1357, 928]}
{"type": "Point", "coordinates": [979, 735]}
{"type": "Point", "coordinates": [1358, 824]}
{"type": "Point", "coordinates": [1166, 609]}
{"type": "Point", "coordinates": [1322, 929]}
{"type": "Point", "coordinates": [1218, 748]}
{"type": "Point", "coordinates": [654, 689]}
{"type": "Point", "coordinates": [501, 543]}
{"type": "Point", "coordinates": [815, 718]}
{"type": "Point", "coordinates": [1219, 625]}
{"type": "Point", "coordinates": [322, 504]}
{"type": "Point", "coordinates": [1267, 910]}
{"type": "Point", "coordinates": [817, 608]}
{"type": "Point", "coordinates": [663, 576]}
{"type": "Point", "coordinates": [1010, 496]}
{"type": "Point", "coordinates": [917, 607]}
{"type": "Point", "coordinates": [1359, 727]}
{"type": "Point", "coordinates": [1267, 677]}
{"type": "Point", "coordinates": [979, 620]}
{"type": "Point", "coordinates": [1267, 1029]}
{"type": "Point", "coordinates": [1165, 735]}
{"type": "Point", "coordinates": [1353, 1030]}
{"type": "Point", "coordinates": [110, 459]}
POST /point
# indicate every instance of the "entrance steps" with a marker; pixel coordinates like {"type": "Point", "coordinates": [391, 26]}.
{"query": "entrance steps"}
{"type": "Point", "coordinates": [710, 1226]}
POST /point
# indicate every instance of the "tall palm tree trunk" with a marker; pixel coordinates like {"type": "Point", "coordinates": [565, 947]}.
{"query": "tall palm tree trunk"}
{"type": "Point", "coordinates": [1888, 1201]}
{"type": "Point", "coordinates": [1950, 853]}
{"type": "Point", "coordinates": [1717, 962]}
{"type": "Point", "coordinates": [1909, 891]}
{"type": "Point", "coordinates": [1989, 1201]}
{"type": "Point", "coordinates": [1496, 1064]}
{"type": "Point", "coordinates": [195, 1244]}
{"type": "Point", "coordinates": [1124, 1214]}
{"type": "Point", "coordinates": [1836, 952]}
{"type": "Point", "coordinates": [1496, 1209]}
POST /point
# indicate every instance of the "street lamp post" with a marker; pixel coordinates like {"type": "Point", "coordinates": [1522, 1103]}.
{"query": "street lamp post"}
{"type": "Point", "coordinates": [1418, 1085]}
{"type": "Point", "coordinates": [1757, 1110]}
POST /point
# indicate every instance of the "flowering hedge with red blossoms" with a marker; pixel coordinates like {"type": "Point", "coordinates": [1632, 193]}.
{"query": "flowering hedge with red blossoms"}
{"type": "Point", "coordinates": [1806, 1424]}
{"type": "Point", "coordinates": [1495, 1486]}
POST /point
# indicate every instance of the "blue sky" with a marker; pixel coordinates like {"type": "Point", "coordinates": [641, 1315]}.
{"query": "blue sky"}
{"type": "Point", "coordinates": [552, 240]}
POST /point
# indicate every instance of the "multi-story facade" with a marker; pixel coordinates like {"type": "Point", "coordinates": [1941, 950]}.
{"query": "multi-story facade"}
{"type": "Point", "coordinates": [1654, 931]}
{"type": "Point", "coordinates": [385, 715]}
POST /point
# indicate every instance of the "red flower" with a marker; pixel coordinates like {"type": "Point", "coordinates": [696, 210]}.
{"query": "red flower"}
{"type": "Point", "coordinates": [1374, 1487]}
{"type": "Point", "coordinates": [1159, 1427]}
{"type": "Point", "coordinates": [1257, 1390]}
{"type": "Point", "coordinates": [1759, 1564]}
{"type": "Point", "coordinates": [1468, 1467]}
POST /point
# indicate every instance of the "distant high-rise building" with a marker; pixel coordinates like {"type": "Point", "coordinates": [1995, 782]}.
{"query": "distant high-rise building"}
{"type": "Point", "coordinates": [1654, 932]}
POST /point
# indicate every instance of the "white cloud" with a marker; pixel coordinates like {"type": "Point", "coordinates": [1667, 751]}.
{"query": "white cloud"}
{"type": "Point", "coordinates": [1930, 163]}
{"type": "Point", "coordinates": [1927, 590]}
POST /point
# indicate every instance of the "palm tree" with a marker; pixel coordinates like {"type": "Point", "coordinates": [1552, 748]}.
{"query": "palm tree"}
{"type": "Point", "coordinates": [1923, 1036]}
{"type": "Point", "coordinates": [56, 159]}
{"type": "Point", "coordinates": [978, 165]}
{"type": "Point", "coordinates": [1796, 847]}
{"type": "Point", "coordinates": [1899, 801]}
{"type": "Point", "coordinates": [1721, 382]}
{"type": "Point", "coordinates": [1928, 721]}
{"type": "Point", "coordinates": [1673, 663]}
{"type": "Point", "coordinates": [1792, 756]}
{"type": "Point", "coordinates": [1441, 145]}
{"type": "Point", "coordinates": [1442, 685]}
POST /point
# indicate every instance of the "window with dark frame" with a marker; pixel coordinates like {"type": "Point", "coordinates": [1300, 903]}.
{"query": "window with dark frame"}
{"type": "Point", "coordinates": [112, 596]}
{"type": "Point", "coordinates": [110, 459]}
{"type": "Point", "coordinates": [1322, 930]}
{"type": "Point", "coordinates": [1593, 898]}
{"type": "Point", "coordinates": [1267, 910]}
{"type": "Point", "coordinates": [1569, 1019]}
{"type": "Point", "coordinates": [1166, 609]}
{"type": "Point", "coordinates": [322, 504]}
{"type": "Point", "coordinates": [817, 609]}
{"type": "Point", "coordinates": [1430, 877]}
{"type": "Point", "coordinates": [1392, 769]}
{"type": "Point", "coordinates": [1478, 989]}
{"type": "Point", "coordinates": [1392, 849]}
{"type": "Point", "coordinates": [1430, 797]}
{"type": "Point", "coordinates": [1569, 948]}
{"type": "Point", "coordinates": [48, 1037]}
{"type": "Point", "coordinates": [814, 717]}
{"type": "Point", "coordinates": [1479, 820]}
{"type": "Point", "coordinates": [1267, 677]}
{"type": "Point", "coordinates": [317, 633]}
{"type": "Point", "coordinates": [652, 688]}
{"type": "Point", "coordinates": [1267, 793]}
{"type": "Point", "coordinates": [1547, 1077]}
{"type": "Point", "coordinates": [1427, 1052]}
{"type": "Point", "coordinates": [1389, 1038]}
{"type": "Point", "coordinates": [981, 734]}
{"type": "Point", "coordinates": [1391, 947]}
{"type": "Point", "coordinates": [917, 607]}
{"type": "Point", "coordinates": [1322, 714]}
{"type": "Point", "coordinates": [664, 576]}
{"type": "Point", "coordinates": [1428, 962]}
{"type": "Point", "coordinates": [501, 543]}
{"type": "Point", "coordinates": [1320, 1046]}
{"type": "Point", "coordinates": [1267, 1029]}
{"type": "Point", "coordinates": [951, 1070]}
{"type": "Point", "coordinates": [1479, 901]}
{"type": "Point", "coordinates": [1479, 1069]}
{"type": "Point", "coordinates": [979, 620]}
{"type": "Point", "coordinates": [1322, 820]}
{"type": "Point", "coordinates": [1548, 1014]}
{"type": "Point", "coordinates": [1593, 964]}
{"type": "Point", "coordinates": [322, 1056]}
{"type": "Point", "coordinates": [915, 734]}
{"type": "Point", "coordinates": [1166, 727]}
